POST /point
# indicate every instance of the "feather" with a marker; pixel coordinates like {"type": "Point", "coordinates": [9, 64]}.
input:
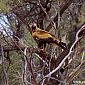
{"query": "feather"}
{"type": "Point", "coordinates": [44, 37]}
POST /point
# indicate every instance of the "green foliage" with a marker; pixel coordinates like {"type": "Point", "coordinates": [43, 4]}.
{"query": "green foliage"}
{"type": "Point", "coordinates": [3, 6]}
{"type": "Point", "coordinates": [15, 66]}
{"type": "Point", "coordinates": [67, 24]}
{"type": "Point", "coordinates": [17, 2]}
{"type": "Point", "coordinates": [82, 18]}
{"type": "Point", "coordinates": [28, 40]}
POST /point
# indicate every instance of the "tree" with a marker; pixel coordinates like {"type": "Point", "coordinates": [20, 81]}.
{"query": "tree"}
{"type": "Point", "coordinates": [22, 62]}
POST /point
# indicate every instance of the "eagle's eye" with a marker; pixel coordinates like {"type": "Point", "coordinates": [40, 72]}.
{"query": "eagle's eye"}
{"type": "Point", "coordinates": [34, 26]}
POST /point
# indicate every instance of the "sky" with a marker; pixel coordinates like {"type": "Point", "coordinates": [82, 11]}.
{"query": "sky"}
{"type": "Point", "coordinates": [4, 23]}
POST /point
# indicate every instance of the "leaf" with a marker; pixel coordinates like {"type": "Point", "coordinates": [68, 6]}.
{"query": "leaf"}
{"type": "Point", "coordinates": [3, 6]}
{"type": "Point", "coordinates": [82, 18]}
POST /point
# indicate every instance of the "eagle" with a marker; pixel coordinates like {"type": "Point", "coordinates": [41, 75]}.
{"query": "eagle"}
{"type": "Point", "coordinates": [43, 37]}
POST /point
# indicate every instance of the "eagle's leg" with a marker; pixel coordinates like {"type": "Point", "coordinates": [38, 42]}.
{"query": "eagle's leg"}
{"type": "Point", "coordinates": [44, 45]}
{"type": "Point", "coordinates": [40, 45]}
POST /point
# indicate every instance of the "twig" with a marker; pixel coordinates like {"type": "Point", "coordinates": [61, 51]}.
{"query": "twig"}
{"type": "Point", "coordinates": [3, 67]}
{"type": "Point", "coordinates": [83, 55]}
{"type": "Point", "coordinates": [23, 55]}
{"type": "Point", "coordinates": [24, 77]}
{"type": "Point", "coordinates": [76, 72]}
{"type": "Point", "coordinates": [42, 59]}
{"type": "Point", "coordinates": [70, 51]}
{"type": "Point", "coordinates": [51, 21]}
{"type": "Point", "coordinates": [64, 82]}
{"type": "Point", "coordinates": [63, 7]}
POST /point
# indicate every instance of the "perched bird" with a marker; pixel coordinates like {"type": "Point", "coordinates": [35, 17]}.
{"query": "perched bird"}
{"type": "Point", "coordinates": [43, 37]}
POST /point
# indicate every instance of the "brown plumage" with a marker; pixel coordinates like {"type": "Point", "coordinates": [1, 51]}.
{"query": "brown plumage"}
{"type": "Point", "coordinates": [43, 37]}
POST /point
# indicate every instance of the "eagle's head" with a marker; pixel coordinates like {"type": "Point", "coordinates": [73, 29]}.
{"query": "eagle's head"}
{"type": "Point", "coordinates": [34, 26]}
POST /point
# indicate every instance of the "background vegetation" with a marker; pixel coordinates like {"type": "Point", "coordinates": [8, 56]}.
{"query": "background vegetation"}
{"type": "Point", "coordinates": [21, 62]}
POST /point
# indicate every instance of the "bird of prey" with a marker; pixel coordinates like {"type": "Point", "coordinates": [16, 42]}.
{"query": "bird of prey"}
{"type": "Point", "coordinates": [43, 37]}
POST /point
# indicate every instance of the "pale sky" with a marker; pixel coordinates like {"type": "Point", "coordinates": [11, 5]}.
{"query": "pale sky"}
{"type": "Point", "coordinates": [4, 23]}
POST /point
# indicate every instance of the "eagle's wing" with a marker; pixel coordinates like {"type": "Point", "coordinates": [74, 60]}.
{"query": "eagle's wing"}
{"type": "Point", "coordinates": [45, 37]}
{"type": "Point", "coordinates": [41, 34]}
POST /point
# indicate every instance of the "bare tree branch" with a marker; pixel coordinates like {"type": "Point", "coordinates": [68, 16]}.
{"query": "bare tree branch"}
{"type": "Point", "coordinates": [70, 51]}
{"type": "Point", "coordinates": [5, 77]}
{"type": "Point", "coordinates": [17, 46]}
{"type": "Point", "coordinates": [63, 7]}
{"type": "Point", "coordinates": [76, 72]}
